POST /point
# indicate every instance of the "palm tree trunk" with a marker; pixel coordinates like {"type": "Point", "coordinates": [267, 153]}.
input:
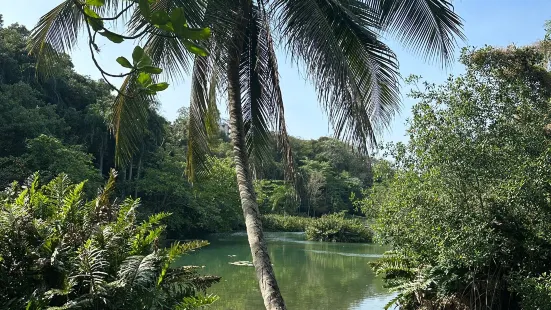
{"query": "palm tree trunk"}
{"type": "Point", "coordinates": [261, 260]}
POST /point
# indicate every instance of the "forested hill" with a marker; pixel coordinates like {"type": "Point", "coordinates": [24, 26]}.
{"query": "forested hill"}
{"type": "Point", "coordinates": [60, 124]}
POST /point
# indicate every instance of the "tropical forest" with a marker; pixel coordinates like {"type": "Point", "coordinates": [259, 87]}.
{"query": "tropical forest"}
{"type": "Point", "coordinates": [275, 154]}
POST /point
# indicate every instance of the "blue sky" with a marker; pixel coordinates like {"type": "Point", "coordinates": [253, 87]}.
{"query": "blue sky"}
{"type": "Point", "coordinates": [487, 22]}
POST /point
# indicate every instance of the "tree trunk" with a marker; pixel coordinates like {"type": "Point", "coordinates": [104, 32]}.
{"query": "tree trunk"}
{"type": "Point", "coordinates": [261, 259]}
{"type": "Point", "coordinates": [140, 163]}
{"type": "Point", "coordinates": [102, 153]}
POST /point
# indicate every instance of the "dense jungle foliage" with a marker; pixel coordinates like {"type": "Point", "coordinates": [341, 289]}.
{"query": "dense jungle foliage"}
{"type": "Point", "coordinates": [466, 203]}
{"type": "Point", "coordinates": [60, 125]}
{"type": "Point", "coordinates": [59, 251]}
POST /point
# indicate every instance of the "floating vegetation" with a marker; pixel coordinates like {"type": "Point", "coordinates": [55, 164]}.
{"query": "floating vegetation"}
{"type": "Point", "coordinates": [242, 263]}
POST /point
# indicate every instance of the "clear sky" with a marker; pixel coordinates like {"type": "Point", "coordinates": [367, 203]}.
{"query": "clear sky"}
{"type": "Point", "coordinates": [491, 22]}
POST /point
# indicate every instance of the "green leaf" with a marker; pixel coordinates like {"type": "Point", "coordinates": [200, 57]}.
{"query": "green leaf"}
{"type": "Point", "coordinates": [151, 69]}
{"type": "Point", "coordinates": [159, 18]}
{"type": "Point", "coordinates": [158, 87]}
{"type": "Point", "coordinates": [195, 48]}
{"type": "Point", "coordinates": [93, 19]}
{"type": "Point", "coordinates": [90, 13]}
{"type": "Point", "coordinates": [178, 19]}
{"type": "Point", "coordinates": [145, 9]}
{"type": "Point", "coordinates": [113, 37]}
{"type": "Point", "coordinates": [145, 61]}
{"type": "Point", "coordinates": [195, 33]}
{"type": "Point", "coordinates": [167, 27]}
{"type": "Point", "coordinates": [95, 2]}
{"type": "Point", "coordinates": [137, 54]}
{"type": "Point", "coordinates": [144, 79]}
{"type": "Point", "coordinates": [124, 62]}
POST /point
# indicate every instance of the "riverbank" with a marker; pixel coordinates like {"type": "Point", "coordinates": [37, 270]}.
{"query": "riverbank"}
{"type": "Point", "coordinates": [330, 227]}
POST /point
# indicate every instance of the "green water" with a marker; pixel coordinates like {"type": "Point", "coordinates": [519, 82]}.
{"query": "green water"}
{"type": "Point", "coordinates": [311, 275]}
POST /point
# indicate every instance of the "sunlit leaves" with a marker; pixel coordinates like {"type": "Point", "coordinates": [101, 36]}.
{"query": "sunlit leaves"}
{"type": "Point", "coordinates": [195, 48]}
{"type": "Point", "coordinates": [93, 19]}
{"type": "Point", "coordinates": [158, 87]}
{"type": "Point", "coordinates": [144, 79]}
{"type": "Point", "coordinates": [95, 2]}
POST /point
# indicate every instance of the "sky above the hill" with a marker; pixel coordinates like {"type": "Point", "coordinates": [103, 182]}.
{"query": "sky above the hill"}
{"type": "Point", "coordinates": [486, 22]}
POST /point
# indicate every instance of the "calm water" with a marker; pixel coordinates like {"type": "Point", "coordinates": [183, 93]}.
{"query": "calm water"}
{"type": "Point", "coordinates": [311, 275]}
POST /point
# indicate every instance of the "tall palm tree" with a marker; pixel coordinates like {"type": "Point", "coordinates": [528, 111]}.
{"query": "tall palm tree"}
{"type": "Point", "coordinates": [336, 42]}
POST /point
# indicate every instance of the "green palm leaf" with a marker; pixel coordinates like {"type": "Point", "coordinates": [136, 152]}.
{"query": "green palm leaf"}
{"type": "Point", "coordinates": [428, 27]}
{"type": "Point", "coordinates": [354, 73]}
{"type": "Point", "coordinates": [56, 33]}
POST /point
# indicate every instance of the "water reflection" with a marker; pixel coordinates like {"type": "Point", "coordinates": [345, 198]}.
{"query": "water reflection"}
{"type": "Point", "coordinates": [312, 275]}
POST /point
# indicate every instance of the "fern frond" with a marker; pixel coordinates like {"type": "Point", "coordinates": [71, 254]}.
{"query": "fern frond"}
{"type": "Point", "coordinates": [139, 271]}
{"type": "Point", "coordinates": [196, 302]}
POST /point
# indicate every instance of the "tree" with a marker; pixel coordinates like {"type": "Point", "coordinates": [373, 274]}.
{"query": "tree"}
{"type": "Point", "coordinates": [466, 208]}
{"type": "Point", "coordinates": [354, 72]}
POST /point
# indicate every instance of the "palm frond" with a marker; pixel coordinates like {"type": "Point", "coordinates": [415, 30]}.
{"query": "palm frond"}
{"type": "Point", "coordinates": [129, 118]}
{"type": "Point", "coordinates": [203, 114]}
{"type": "Point", "coordinates": [428, 27]}
{"type": "Point", "coordinates": [272, 92]}
{"type": "Point", "coordinates": [56, 33]}
{"type": "Point", "coordinates": [354, 73]}
{"type": "Point", "coordinates": [207, 80]}
{"type": "Point", "coordinates": [255, 107]}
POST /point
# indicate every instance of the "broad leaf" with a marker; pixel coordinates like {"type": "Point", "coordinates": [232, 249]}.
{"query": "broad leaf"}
{"type": "Point", "coordinates": [93, 19]}
{"type": "Point", "coordinates": [145, 61]}
{"type": "Point", "coordinates": [158, 87]}
{"type": "Point", "coordinates": [159, 18]}
{"type": "Point", "coordinates": [151, 69]}
{"type": "Point", "coordinates": [145, 9]}
{"type": "Point", "coordinates": [124, 62]}
{"type": "Point", "coordinates": [167, 27]}
{"type": "Point", "coordinates": [195, 33]}
{"type": "Point", "coordinates": [113, 37]}
{"type": "Point", "coordinates": [178, 19]}
{"type": "Point", "coordinates": [95, 2]}
{"type": "Point", "coordinates": [137, 54]}
{"type": "Point", "coordinates": [144, 79]}
{"type": "Point", "coordinates": [196, 48]}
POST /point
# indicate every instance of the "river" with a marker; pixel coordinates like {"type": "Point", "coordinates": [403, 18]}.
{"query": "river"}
{"type": "Point", "coordinates": [311, 275]}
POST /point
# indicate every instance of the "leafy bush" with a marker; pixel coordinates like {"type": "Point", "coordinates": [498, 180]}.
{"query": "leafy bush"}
{"type": "Point", "coordinates": [468, 210]}
{"type": "Point", "coordinates": [276, 222]}
{"type": "Point", "coordinates": [58, 251]}
{"type": "Point", "coordinates": [535, 292]}
{"type": "Point", "coordinates": [336, 228]}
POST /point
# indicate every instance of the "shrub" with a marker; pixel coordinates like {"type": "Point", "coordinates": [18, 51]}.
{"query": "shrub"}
{"type": "Point", "coordinates": [276, 222]}
{"type": "Point", "coordinates": [535, 292]}
{"type": "Point", "coordinates": [58, 251]}
{"type": "Point", "coordinates": [336, 228]}
{"type": "Point", "coordinates": [468, 210]}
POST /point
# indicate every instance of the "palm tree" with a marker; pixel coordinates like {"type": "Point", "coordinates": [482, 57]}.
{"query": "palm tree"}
{"type": "Point", "coordinates": [336, 42]}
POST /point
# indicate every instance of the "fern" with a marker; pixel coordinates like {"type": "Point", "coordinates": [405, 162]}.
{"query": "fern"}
{"type": "Point", "coordinates": [196, 302]}
{"type": "Point", "coordinates": [91, 267]}
{"type": "Point", "coordinates": [139, 271]}
{"type": "Point", "coordinates": [66, 257]}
